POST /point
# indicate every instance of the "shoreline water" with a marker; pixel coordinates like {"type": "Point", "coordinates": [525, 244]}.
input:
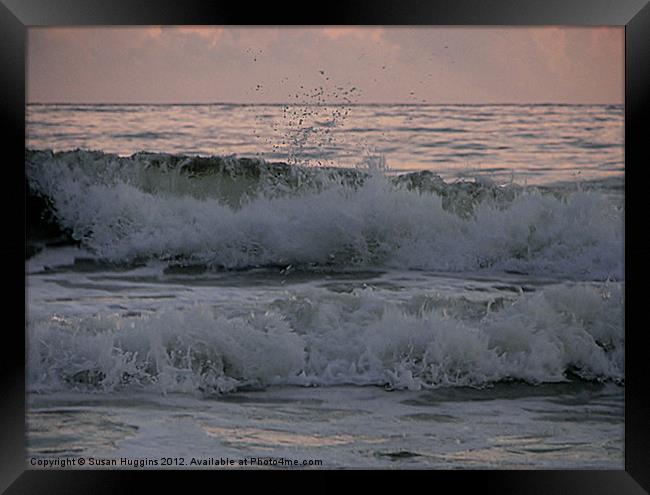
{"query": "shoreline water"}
{"type": "Point", "coordinates": [514, 427]}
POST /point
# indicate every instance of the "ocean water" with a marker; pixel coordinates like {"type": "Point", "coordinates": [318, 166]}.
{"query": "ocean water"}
{"type": "Point", "coordinates": [528, 143]}
{"type": "Point", "coordinates": [385, 286]}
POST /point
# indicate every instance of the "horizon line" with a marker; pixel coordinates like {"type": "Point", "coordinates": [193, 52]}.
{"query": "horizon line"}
{"type": "Point", "coordinates": [42, 103]}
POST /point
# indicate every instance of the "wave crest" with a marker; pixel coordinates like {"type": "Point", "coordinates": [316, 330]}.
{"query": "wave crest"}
{"type": "Point", "coordinates": [236, 213]}
{"type": "Point", "coordinates": [335, 339]}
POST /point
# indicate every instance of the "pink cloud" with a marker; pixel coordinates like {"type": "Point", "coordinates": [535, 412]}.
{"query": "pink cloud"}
{"type": "Point", "coordinates": [386, 64]}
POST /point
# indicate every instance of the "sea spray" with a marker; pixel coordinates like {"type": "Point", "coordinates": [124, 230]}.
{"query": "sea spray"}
{"type": "Point", "coordinates": [239, 213]}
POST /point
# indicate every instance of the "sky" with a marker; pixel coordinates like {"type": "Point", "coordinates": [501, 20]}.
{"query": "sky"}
{"type": "Point", "coordinates": [193, 64]}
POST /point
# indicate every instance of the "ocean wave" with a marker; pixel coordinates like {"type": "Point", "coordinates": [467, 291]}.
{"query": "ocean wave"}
{"type": "Point", "coordinates": [228, 212]}
{"type": "Point", "coordinates": [557, 334]}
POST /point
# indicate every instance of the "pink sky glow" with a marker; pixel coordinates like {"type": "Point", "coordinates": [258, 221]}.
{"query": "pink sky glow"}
{"type": "Point", "coordinates": [186, 64]}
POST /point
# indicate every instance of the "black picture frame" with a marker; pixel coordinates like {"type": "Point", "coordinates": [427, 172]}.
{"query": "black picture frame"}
{"type": "Point", "coordinates": [17, 15]}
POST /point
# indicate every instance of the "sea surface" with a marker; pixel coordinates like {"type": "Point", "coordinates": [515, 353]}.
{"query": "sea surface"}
{"type": "Point", "coordinates": [352, 286]}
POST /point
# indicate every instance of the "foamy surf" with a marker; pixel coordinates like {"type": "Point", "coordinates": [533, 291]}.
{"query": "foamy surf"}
{"type": "Point", "coordinates": [335, 339]}
{"type": "Point", "coordinates": [238, 213]}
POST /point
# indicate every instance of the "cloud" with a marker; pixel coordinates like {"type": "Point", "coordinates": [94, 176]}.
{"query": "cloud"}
{"type": "Point", "coordinates": [374, 34]}
{"type": "Point", "coordinates": [386, 64]}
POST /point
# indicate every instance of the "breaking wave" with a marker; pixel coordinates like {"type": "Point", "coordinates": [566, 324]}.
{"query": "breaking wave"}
{"type": "Point", "coordinates": [232, 213]}
{"type": "Point", "coordinates": [556, 334]}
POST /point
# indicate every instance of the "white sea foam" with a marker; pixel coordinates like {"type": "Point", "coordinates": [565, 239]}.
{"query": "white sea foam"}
{"type": "Point", "coordinates": [332, 339]}
{"type": "Point", "coordinates": [334, 220]}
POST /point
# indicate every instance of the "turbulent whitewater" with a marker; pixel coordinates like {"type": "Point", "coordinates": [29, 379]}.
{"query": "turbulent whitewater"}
{"type": "Point", "coordinates": [357, 338]}
{"type": "Point", "coordinates": [234, 213]}
{"type": "Point", "coordinates": [202, 215]}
